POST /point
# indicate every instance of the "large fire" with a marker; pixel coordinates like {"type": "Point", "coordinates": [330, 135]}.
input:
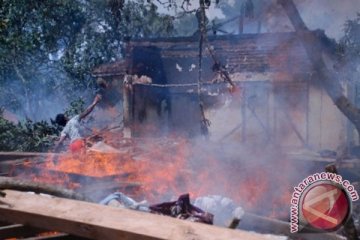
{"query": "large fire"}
{"type": "Point", "coordinates": [166, 168]}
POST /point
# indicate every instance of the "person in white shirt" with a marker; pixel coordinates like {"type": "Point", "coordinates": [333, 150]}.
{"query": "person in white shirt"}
{"type": "Point", "coordinates": [73, 128]}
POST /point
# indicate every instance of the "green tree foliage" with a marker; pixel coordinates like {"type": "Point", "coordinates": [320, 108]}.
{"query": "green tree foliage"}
{"type": "Point", "coordinates": [348, 53]}
{"type": "Point", "coordinates": [50, 47]}
{"type": "Point", "coordinates": [27, 136]}
{"type": "Point", "coordinates": [47, 52]}
{"type": "Point", "coordinates": [31, 31]}
{"type": "Point", "coordinates": [109, 24]}
{"type": "Point", "coordinates": [351, 38]}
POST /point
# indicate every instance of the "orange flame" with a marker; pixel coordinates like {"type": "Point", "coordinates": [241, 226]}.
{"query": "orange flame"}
{"type": "Point", "coordinates": [166, 168]}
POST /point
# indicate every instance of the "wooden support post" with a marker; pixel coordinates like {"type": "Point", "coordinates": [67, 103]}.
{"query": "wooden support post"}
{"type": "Point", "coordinates": [103, 222]}
{"type": "Point", "coordinates": [127, 105]}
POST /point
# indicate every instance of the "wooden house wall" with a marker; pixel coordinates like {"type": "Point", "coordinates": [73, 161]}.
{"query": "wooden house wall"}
{"type": "Point", "coordinates": [291, 115]}
{"type": "Point", "coordinates": [279, 101]}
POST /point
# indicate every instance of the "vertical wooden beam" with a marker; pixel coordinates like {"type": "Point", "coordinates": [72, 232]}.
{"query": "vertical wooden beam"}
{"type": "Point", "coordinates": [127, 89]}
{"type": "Point", "coordinates": [127, 105]}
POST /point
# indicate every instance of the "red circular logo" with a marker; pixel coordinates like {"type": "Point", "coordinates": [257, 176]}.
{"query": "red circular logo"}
{"type": "Point", "coordinates": [325, 206]}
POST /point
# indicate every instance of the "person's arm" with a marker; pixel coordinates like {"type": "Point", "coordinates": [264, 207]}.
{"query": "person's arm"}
{"type": "Point", "coordinates": [89, 109]}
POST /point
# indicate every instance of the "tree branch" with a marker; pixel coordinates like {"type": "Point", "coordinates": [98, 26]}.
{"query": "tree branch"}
{"type": "Point", "coordinates": [314, 49]}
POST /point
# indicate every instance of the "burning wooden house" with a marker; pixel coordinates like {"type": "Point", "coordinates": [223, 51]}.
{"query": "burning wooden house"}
{"type": "Point", "coordinates": [278, 98]}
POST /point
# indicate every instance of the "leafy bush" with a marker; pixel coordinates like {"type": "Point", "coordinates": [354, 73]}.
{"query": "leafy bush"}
{"type": "Point", "coordinates": [29, 136]}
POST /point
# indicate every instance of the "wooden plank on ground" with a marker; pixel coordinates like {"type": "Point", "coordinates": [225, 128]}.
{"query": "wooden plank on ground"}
{"type": "Point", "coordinates": [102, 222]}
